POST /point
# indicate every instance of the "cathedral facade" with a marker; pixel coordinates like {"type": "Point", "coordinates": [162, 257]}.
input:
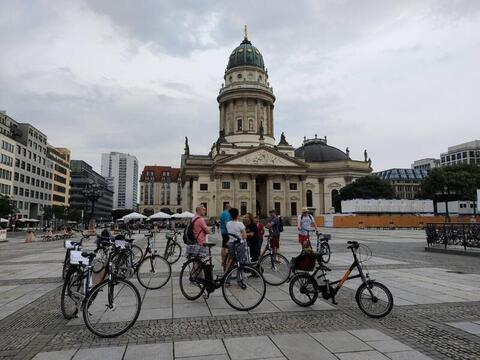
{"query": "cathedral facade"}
{"type": "Point", "coordinates": [247, 168]}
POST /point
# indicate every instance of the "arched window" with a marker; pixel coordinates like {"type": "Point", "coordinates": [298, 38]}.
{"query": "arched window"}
{"type": "Point", "coordinates": [309, 198]}
{"type": "Point", "coordinates": [239, 124]}
{"type": "Point", "coordinates": [250, 124]}
{"type": "Point", "coordinates": [334, 196]}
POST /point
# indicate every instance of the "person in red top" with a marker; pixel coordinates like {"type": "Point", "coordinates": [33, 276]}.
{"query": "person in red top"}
{"type": "Point", "coordinates": [200, 228]}
{"type": "Point", "coordinates": [260, 231]}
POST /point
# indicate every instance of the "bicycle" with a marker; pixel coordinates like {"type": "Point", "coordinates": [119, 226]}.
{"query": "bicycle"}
{"type": "Point", "coordinates": [100, 302]}
{"type": "Point", "coordinates": [243, 286]}
{"type": "Point", "coordinates": [69, 246]}
{"type": "Point", "coordinates": [323, 247]}
{"type": "Point", "coordinates": [173, 250]}
{"type": "Point", "coordinates": [304, 287]}
{"type": "Point", "coordinates": [153, 270]}
{"type": "Point", "coordinates": [274, 267]}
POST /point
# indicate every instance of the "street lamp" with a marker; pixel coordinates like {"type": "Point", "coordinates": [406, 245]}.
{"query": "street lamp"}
{"type": "Point", "coordinates": [445, 193]}
{"type": "Point", "coordinates": [92, 192]}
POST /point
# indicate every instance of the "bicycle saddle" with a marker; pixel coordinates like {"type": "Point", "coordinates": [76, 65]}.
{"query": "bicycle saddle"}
{"type": "Point", "coordinates": [352, 245]}
{"type": "Point", "coordinates": [89, 255]}
{"type": "Point", "coordinates": [149, 235]}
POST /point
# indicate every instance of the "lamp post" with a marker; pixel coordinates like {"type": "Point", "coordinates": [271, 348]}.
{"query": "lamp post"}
{"type": "Point", "coordinates": [445, 193]}
{"type": "Point", "coordinates": [92, 192]}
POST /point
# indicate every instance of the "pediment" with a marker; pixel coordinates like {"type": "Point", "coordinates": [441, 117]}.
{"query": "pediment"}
{"type": "Point", "coordinates": [262, 157]}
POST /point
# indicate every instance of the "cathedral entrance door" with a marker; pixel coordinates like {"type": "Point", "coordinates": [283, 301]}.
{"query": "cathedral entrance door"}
{"type": "Point", "coordinates": [261, 195]}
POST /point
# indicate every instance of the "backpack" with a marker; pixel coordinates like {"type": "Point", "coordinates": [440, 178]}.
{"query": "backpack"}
{"type": "Point", "coordinates": [188, 236]}
{"type": "Point", "coordinates": [280, 224]}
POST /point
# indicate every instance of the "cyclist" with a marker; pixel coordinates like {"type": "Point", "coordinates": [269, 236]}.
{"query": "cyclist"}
{"type": "Point", "coordinates": [200, 232]}
{"type": "Point", "coordinates": [274, 226]}
{"type": "Point", "coordinates": [234, 227]}
{"type": "Point", "coordinates": [305, 223]}
{"type": "Point", "coordinates": [225, 217]}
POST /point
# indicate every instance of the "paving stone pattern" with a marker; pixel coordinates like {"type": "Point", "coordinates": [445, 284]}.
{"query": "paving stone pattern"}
{"type": "Point", "coordinates": [437, 312]}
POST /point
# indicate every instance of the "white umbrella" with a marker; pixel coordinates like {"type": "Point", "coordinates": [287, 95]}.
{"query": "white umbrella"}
{"type": "Point", "coordinates": [33, 220]}
{"type": "Point", "coordinates": [3, 220]}
{"type": "Point", "coordinates": [187, 214]}
{"type": "Point", "coordinates": [177, 216]}
{"type": "Point", "coordinates": [159, 215]}
{"type": "Point", "coordinates": [133, 216]}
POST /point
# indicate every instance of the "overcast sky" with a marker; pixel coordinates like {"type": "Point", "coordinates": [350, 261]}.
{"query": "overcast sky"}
{"type": "Point", "coordinates": [398, 78]}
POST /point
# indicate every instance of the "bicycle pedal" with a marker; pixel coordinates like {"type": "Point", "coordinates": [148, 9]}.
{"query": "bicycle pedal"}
{"type": "Point", "coordinates": [206, 295]}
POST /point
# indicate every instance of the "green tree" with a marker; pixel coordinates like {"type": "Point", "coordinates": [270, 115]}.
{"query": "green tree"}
{"type": "Point", "coordinates": [367, 187]}
{"type": "Point", "coordinates": [148, 211]}
{"type": "Point", "coordinates": [6, 206]}
{"type": "Point", "coordinates": [74, 215]}
{"type": "Point", "coordinates": [166, 211]}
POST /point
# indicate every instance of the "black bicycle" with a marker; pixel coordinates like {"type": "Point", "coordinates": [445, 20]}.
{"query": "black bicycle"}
{"type": "Point", "coordinates": [372, 297]}
{"type": "Point", "coordinates": [173, 250]}
{"type": "Point", "coordinates": [274, 266]}
{"type": "Point", "coordinates": [69, 246]}
{"type": "Point", "coordinates": [153, 270]}
{"type": "Point", "coordinates": [243, 286]}
{"type": "Point", "coordinates": [323, 247]}
{"type": "Point", "coordinates": [109, 308]}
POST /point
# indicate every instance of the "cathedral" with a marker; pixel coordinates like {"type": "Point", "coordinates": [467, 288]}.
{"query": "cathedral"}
{"type": "Point", "coordinates": [247, 168]}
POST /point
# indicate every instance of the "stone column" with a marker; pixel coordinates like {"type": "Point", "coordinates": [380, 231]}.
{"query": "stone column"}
{"type": "Point", "coordinates": [270, 108]}
{"type": "Point", "coordinates": [269, 194]}
{"type": "Point", "coordinates": [213, 211]}
{"type": "Point", "coordinates": [195, 190]}
{"type": "Point", "coordinates": [321, 196]}
{"type": "Point", "coordinates": [253, 194]}
{"type": "Point", "coordinates": [286, 200]}
{"type": "Point", "coordinates": [234, 190]}
{"type": "Point", "coordinates": [303, 193]}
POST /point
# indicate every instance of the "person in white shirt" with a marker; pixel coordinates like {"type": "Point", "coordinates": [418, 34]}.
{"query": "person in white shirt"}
{"type": "Point", "coordinates": [305, 223]}
{"type": "Point", "coordinates": [237, 228]}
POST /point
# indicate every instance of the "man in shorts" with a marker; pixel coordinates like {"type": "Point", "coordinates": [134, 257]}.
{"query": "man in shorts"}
{"type": "Point", "coordinates": [274, 226]}
{"type": "Point", "coordinates": [305, 223]}
{"type": "Point", "coordinates": [225, 217]}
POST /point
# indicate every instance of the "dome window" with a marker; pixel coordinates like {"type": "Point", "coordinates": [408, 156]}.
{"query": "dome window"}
{"type": "Point", "coordinates": [239, 124]}
{"type": "Point", "coordinates": [239, 76]}
{"type": "Point", "coordinates": [260, 78]}
{"type": "Point", "coordinates": [240, 50]}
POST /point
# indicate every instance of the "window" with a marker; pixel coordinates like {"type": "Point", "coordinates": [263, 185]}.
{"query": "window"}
{"type": "Point", "coordinates": [293, 186]}
{"type": "Point", "coordinates": [239, 124]}
{"type": "Point", "coordinates": [243, 185]}
{"type": "Point", "coordinates": [22, 178]}
{"type": "Point", "coordinates": [277, 186]}
{"type": "Point", "coordinates": [225, 203]}
{"type": "Point", "coordinates": [225, 185]}
{"type": "Point", "coordinates": [203, 187]}
{"type": "Point", "coordinates": [250, 124]}
{"type": "Point", "coordinates": [243, 208]}
{"type": "Point", "coordinates": [239, 76]}
{"type": "Point", "coordinates": [309, 198]}
{"type": "Point", "coordinates": [335, 195]}
{"type": "Point", "coordinates": [277, 208]}
{"type": "Point", "coordinates": [293, 209]}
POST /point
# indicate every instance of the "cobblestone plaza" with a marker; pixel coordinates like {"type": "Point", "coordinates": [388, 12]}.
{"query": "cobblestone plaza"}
{"type": "Point", "coordinates": [436, 313]}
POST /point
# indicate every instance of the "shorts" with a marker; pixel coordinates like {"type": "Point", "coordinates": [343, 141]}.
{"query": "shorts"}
{"type": "Point", "coordinates": [225, 239]}
{"type": "Point", "coordinates": [303, 239]}
{"type": "Point", "coordinates": [238, 251]}
{"type": "Point", "coordinates": [275, 242]}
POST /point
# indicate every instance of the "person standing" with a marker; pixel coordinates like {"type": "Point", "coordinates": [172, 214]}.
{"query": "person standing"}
{"type": "Point", "coordinates": [274, 226]}
{"type": "Point", "coordinates": [260, 232]}
{"type": "Point", "coordinates": [237, 228]}
{"type": "Point", "coordinates": [200, 232]}
{"type": "Point", "coordinates": [305, 222]}
{"type": "Point", "coordinates": [225, 217]}
{"type": "Point", "coordinates": [252, 237]}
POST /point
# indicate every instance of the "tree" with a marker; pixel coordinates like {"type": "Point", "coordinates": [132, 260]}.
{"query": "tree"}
{"type": "Point", "coordinates": [6, 206]}
{"type": "Point", "coordinates": [148, 211]}
{"type": "Point", "coordinates": [166, 211]}
{"type": "Point", "coordinates": [74, 215]}
{"type": "Point", "coordinates": [367, 187]}
{"type": "Point", "coordinates": [458, 182]}
{"type": "Point", "coordinates": [119, 213]}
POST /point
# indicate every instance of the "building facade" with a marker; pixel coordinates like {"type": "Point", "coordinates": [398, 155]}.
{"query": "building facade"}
{"type": "Point", "coordinates": [247, 168]}
{"type": "Point", "coordinates": [426, 164]}
{"type": "Point", "coordinates": [83, 176]}
{"type": "Point", "coordinates": [60, 158]}
{"type": "Point", "coordinates": [121, 172]}
{"type": "Point", "coordinates": [160, 188]}
{"type": "Point", "coordinates": [406, 182]}
{"type": "Point", "coordinates": [466, 153]}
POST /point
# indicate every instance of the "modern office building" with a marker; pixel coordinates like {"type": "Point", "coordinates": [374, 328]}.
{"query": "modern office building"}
{"type": "Point", "coordinates": [466, 153]}
{"type": "Point", "coordinates": [7, 156]}
{"type": "Point", "coordinates": [121, 173]}
{"type": "Point", "coordinates": [406, 182]}
{"type": "Point", "coordinates": [60, 158]}
{"type": "Point", "coordinates": [82, 177]}
{"type": "Point", "coordinates": [426, 164]}
{"type": "Point", "coordinates": [160, 188]}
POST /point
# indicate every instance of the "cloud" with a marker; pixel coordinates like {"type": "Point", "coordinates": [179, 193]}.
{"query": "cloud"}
{"type": "Point", "coordinates": [397, 78]}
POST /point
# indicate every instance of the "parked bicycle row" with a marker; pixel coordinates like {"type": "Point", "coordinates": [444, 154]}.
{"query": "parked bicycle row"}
{"type": "Point", "coordinates": [97, 285]}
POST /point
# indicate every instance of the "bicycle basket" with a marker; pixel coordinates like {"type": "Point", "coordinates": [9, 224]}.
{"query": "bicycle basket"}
{"type": "Point", "coordinates": [364, 253]}
{"type": "Point", "coordinates": [121, 244]}
{"type": "Point", "coordinates": [304, 262]}
{"type": "Point", "coordinates": [195, 251]}
{"type": "Point", "coordinates": [70, 245]}
{"type": "Point", "coordinates": [76, 258]}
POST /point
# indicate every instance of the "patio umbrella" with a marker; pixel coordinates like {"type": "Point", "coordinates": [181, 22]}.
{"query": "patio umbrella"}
{"type": "Point", "coordinates": [133, 216]}
{"type": "Point", "coordinates": [159, 215]}
{"type": "Point", "coordinates": [3, 220]}
{"type": "Point", "coordinates": [187, 214]}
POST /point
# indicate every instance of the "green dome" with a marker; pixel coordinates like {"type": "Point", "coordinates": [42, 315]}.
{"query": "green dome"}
{"type": "Point", "coordinates": [246, 54]}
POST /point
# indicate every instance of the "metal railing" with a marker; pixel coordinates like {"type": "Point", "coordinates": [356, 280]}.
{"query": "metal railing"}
{"type": "Point", "coordinates": [453, 234]}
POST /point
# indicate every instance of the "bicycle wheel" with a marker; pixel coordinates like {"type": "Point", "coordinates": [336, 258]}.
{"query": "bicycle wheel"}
{"type": "Point", "coordinates": [325, 251]}
{"type": "Point", "coordinates": [374, 299]}
{"type": "Point", "coordinates": [274, 268]}
{"type": "Point", "coordinates": [173, 252]}
{"type": "Point", "coordinates": [111, 308]}
{"type": "Point", "coordinates": [192, 279]}
{"type": "Point", "coordinates": [121, 264]}
{"type": "Point", "coordinates": [71, 297]}
{"type": "Point", "coordinates": [137, 254]}
{"type": "Point", "coordinates": [243, 288]}
{"type": "Point", "coordinates": [154, 272]}
{"type": "Point", "coordinates": [66, 266]}
{"type": "Point", "coordinates": [302, 289]}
